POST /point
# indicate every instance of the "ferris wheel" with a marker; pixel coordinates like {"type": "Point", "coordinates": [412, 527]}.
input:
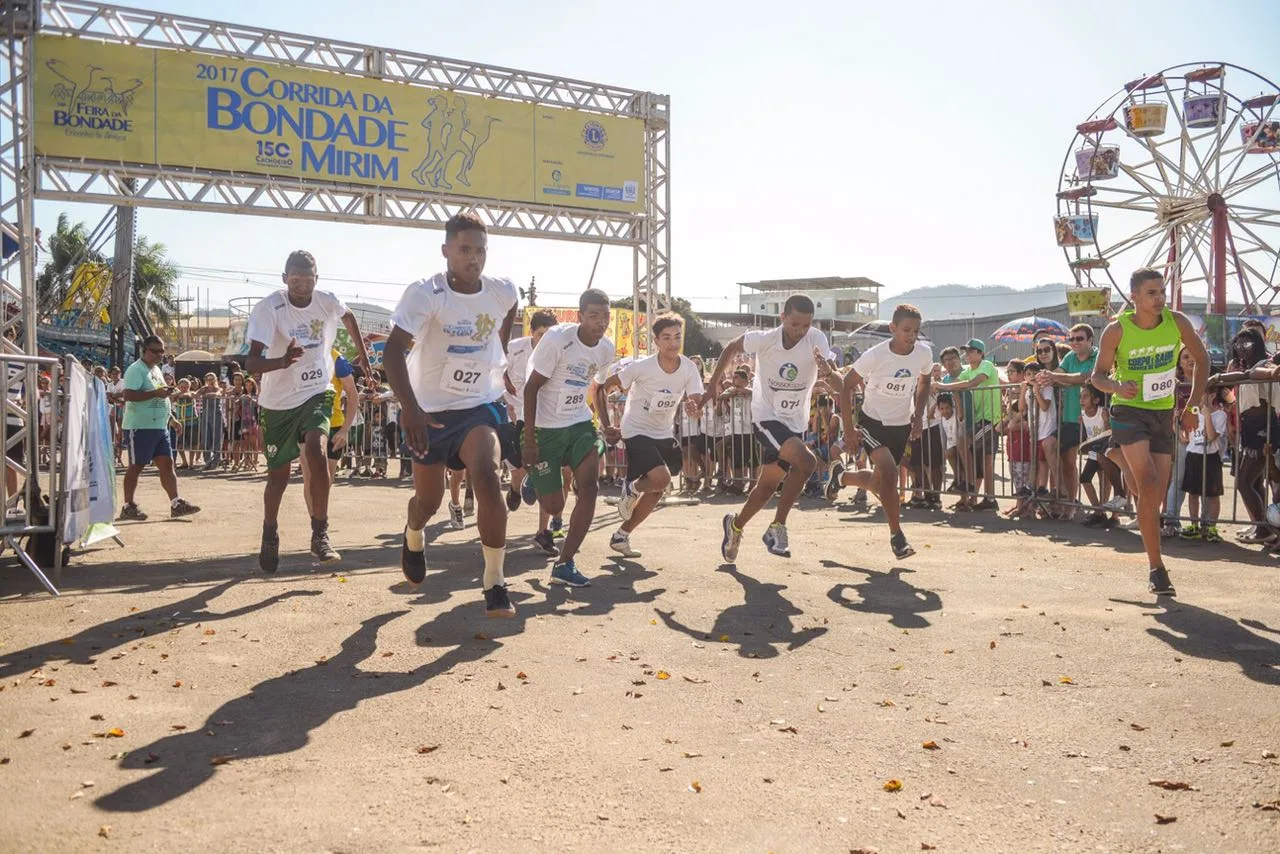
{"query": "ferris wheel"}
{"type": "Point", "coordinates": [1178, 172]}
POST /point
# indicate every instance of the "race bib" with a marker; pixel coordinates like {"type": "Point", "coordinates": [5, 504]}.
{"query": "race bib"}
{"type": "Point", "coordinates": [572, 401]}
{"type": "Point", "coordinates": [664, 403]}
{"type": "Point", "coordinates": [463, 376]}
{"type": "Point", "coordinates": [899, 386]}
{"type": "Point", "coordinates": [1158, 386]}
{"type": "Point", "coordinates": [789, 403]}
{"type": "Point", "coordinates": [310, 377]}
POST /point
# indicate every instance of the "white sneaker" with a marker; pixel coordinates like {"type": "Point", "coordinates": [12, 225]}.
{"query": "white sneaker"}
{"type": "Point", "coordinates": [1131, 525]}
{"type": "Point", "coordinates": [627, 503]}
{"type": "Point", "coordinates": [775, 540]}
{"type": "Point", "coordinates": [1117, 504]}
{"type": "Point", "coordinates": [456, 519]}
{"type": "Point", "coordinates": [620, 542]}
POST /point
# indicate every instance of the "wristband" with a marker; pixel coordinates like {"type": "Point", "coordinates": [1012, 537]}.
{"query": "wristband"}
{"type": "Point", "coordinates": [1194, 410]}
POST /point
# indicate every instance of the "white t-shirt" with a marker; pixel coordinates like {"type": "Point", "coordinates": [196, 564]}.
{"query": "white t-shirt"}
{"type": "Point", "coordinates": [569, 366]}
{"type": "Point", "coordinates": [891, 381]}
{"type": "Point", "coordinates": [518, 352]}
{"type": "Point", "coordinates": [737, 414]}
{"type": "Point", "coordinates": [17, 391]}
{"type": "Point", "coordinates": [1046, 419]}
{"type": "Point", "coordinates": [273, 322]}
{"type": "Point", "coordinates": [457, 359]}
{"type": "Point", "coordinates": [712, 423]}
{"type": "Point", "coordinates": [949, 431]}
{"type": "Point", "coordinates": [1197, 444]}
{"type": "Point", "coordinates": [654, 396]}
{"type": "Point", "coordinates": [784, 377]}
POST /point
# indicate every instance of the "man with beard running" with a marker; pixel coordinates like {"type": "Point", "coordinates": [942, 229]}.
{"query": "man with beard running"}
{"type": "Point", "coordinates": [455, 326]}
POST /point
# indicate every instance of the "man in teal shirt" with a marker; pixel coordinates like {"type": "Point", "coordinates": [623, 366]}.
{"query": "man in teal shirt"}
{"type": "Point", "coordinates": [983, 379]}
{"type": "Point", "coordinates": [147, 418]}
{"type": "Point", "coordinates": [1072, 373]}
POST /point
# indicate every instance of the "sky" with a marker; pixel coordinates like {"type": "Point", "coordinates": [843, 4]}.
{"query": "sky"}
{"type": "Point", "coordinates": [913, 143]}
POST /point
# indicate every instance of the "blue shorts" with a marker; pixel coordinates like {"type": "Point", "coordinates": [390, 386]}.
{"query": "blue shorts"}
{"type": "Point", "coordinates": [146, 445]}
{"type": "Point", "coordinates": [446, 442]}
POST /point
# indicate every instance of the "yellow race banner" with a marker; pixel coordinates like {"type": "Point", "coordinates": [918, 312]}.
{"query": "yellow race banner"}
{"type": "Point", "coordinates": [1089, 302]}
{"type": "Point", "coordinates": [128, 104]}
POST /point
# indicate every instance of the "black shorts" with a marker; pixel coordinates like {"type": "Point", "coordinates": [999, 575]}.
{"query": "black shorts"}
{"type": "Point", "coordinates": [446, 442]}
{"type": "Point", "coordinates": [1255, 431]}
{"type": "Point", "coordinates": [1130, 424]}
{"type": "Point", "coordinates": [644, 454]}
{"type": "Point", "coordinates": [928, 450]}
{"type": "Point", "coordinates": [331, 452]}
{"type": "Point", "coordinates": [697, 443]}
{"type": "Point", "coordinates": [1069, 435]}
{"type": "Point", "coordinates": [985, 439]}
{"type": "Point", "coordinates": [772, 435]}
{"type": "Point", "coordinates": [1089, 471]}
{"type": "Point", "coordinates": [742, 449]}
{"type": "Point", "coordinates": [1203, 475]}
{"type": "Point", "coordinates": [891, 436]}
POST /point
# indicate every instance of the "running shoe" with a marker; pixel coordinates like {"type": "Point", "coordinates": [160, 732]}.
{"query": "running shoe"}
{"type": "Point", "coordinates": [1096, 520]}
{"type": "Point", "coordinates": [456, 520]}
{"type": "Point", "coordinates": [775, 540]}
{"type": "Point", "coordinates": [1169, 529]}
{"type": "Point", "coordinates": [901, 550]}
{"type": "Point", "coordinates": [131, 512]}
{"type": "Point", "coordinates": [620, 542]}
{"type": "Point", "coordinates": [497, 603]}
{"type": "Point", "coordinates": [566, 573]}
{"type": "Point", "coordinates": [860, 500]}
{"type": "Point", "coordinates": [557, 528]}
{"type": "Point", "coordinates": [1249, 537]}
{"type": "Point", "coordinates": [320, 547]}
{"type": "Point", "coordinates": [528, 494]}
{"type": "Point", "coordinates": [1131, 525]}
{"type": "Point", "coordinates": [732, 539]}
{"type": "Point", "coordinates": [546, 543]}
{"type": "Point", "coordinates": [627, 502]}
{"type": "Point", "coordinates": [513, 501]}
{"type": "Point", "coordinates": [1118, 504]}
{"type": "Point", "coordinates": [183, 508]}
{"type": "Point", "coordinates": [1210, 534]}
{"type": "Point", "coordinates": [412, 564]}
{"type": "Point", "coordinates": [987, 504]}
{"type": "Point", "coordinates": [1158, 582]}
{"type": "Point", "coordinates": [1191, 532]}
{"type": "Point", "coordinates": [835, 474]}
{"type": "Point", "coordinates": [269, 551]}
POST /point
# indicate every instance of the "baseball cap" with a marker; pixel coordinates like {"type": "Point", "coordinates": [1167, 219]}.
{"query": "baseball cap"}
{"type": "Point", "coordinates": [976, 344]}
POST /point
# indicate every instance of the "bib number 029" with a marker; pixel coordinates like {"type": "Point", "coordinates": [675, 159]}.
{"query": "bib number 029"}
{"type": "Point", "coordinates": [313, 374]}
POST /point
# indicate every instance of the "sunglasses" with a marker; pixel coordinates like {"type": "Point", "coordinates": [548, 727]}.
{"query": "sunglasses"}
{"type": "Point", "coordinates": [156, 352]}
{"type": "Point", "coordinates": [1044, 349]}
{"type": "Point", "coordinates": [1078, 338]}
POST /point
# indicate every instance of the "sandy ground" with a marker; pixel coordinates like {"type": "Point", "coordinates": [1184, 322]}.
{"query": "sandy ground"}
{"type": "Point", "coordinates": [1021, 686]}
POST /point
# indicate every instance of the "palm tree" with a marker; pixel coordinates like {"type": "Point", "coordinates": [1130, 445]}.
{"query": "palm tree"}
{"type": "Point", "coordinates": [68, 248]}
{"type": "Point", "coordinates": [155, 281]}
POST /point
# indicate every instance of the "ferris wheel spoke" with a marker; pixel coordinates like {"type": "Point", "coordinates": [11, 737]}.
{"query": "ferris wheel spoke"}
{"type": "Point", "coordinates": [1186, 146]}
{"type": "Point", "coordinates": [1124, 206]}
{"type": "Point", "coordinates": [1258, 176]}
{"type": "Point", "coordinates": [1194, 241]}
{"type": "Point", "coordinates": [1129, 242]}
{"type": "Point", "coordinates": [1214, 154]}
{"type": "Point", "coordinates": [1140, 179]}
{"type": "Point", "coordinates": [1240, 158]}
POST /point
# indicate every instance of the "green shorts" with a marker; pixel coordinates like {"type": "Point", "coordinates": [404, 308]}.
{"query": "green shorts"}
{"type": "Point", "coordinates": [562, 446]}
{"type": "Point", "coordinates": [284, 430]}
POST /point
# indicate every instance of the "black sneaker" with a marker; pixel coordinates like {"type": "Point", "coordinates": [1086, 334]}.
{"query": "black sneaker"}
{"type": "Point", "coordinates": [834, 476]}
{"type": "Point", "coordinates": [987, 504]}
{"type": "Point", "coordinates": [412, 564]}
{"type": "Point", "coordinates": [1096, 520]}
{"type": "Point", "coordinates": [269, 551]}
{"type": "Point", "coordinates": [497, 603]}
{"type": "Point", "coordinates": [513, 500]}
{"type": "Point", "coordinates": [546, 543]}
{"type": "Point", "coordinates": [320, 547]}
{"type": "Point", "coordinates": [183, 508]}
{"type": "Point", "coordinates": [901, 550]}
{"type": "Point", "coordinates": [860, 500]}
{"type": "Point", "coordinates": [1158, 582]}
{"type": "Point", "coordinates": [131, 512]}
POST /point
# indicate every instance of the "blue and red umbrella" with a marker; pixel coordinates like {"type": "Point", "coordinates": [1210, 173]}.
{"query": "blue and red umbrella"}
{"type": "Point", "coordinates": [1029, 329]}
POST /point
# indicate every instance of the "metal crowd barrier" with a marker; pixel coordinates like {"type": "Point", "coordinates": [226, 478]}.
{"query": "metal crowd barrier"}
{"type": "Point", "coordinates": [39, 513]}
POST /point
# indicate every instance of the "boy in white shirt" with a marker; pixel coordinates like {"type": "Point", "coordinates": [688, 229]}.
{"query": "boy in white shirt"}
{"type": "Point", "coordinates": [788, 358]}
{"type": "Point", "coordinates": [558, 426]}
{"type": "Point", "coordinates": [299, 325]}
{"type": "Point", "coordinates": [655, 387]}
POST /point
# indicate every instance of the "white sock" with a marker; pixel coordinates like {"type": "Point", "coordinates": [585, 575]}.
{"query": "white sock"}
{"type": "Point", "coordinates": [493, 558]}
{"type": "Point", "coordinates": [175, 502]}
{"type": "Point", "coordinates": [415, 540]}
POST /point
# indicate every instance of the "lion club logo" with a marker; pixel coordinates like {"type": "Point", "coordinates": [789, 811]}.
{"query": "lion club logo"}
{"type": "Point", "coordinates": [789, 372]}
{"type": "Point", "coordinates": [594, 136]}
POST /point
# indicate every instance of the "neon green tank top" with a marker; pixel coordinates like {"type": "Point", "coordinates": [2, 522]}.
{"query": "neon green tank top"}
{"type": "Point", "coordinates": [1149, 357]}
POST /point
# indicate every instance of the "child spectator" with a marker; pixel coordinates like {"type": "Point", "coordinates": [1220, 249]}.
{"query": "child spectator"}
{"type": "Point", "coordinates": [1202, 479]}
{"type": "Point", "coordinates": [1095, 421]}
{"type": "Point", "coordinates": [1018, 441]}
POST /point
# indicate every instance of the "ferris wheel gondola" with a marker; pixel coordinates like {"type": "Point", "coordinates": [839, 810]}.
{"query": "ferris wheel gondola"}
{"type": "Point", "coordinates": [1176, 171]}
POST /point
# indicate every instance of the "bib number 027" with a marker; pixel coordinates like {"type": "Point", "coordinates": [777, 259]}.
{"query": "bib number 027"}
{"type": "Point", "coordinates": [466, 377]}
